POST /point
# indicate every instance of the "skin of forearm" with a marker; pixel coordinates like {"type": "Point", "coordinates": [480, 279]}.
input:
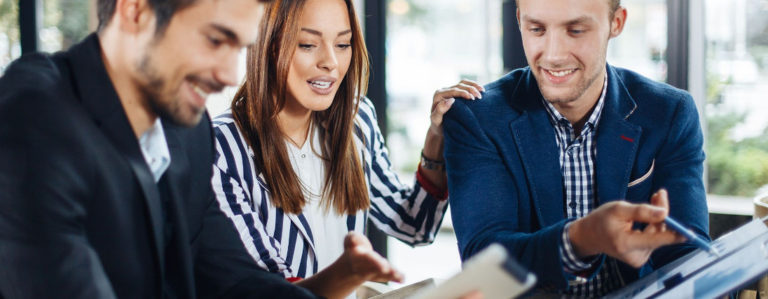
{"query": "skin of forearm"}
{"type": "Point", "coordinates": [332, 282]}
{"type": "Point", "coordinates": [433, 150]}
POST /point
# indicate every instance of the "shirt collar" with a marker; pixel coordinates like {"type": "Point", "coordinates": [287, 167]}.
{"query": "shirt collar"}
{"type": "Point", "coordinates": [556, 118]}
{"type": "Point", "coordinates": [154, 147]}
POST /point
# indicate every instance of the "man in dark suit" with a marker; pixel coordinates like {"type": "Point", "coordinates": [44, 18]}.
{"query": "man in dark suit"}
{"type": "Point", "coordinates": [106, 154]}
{"type": "Point", "coordinates": [564, 162]}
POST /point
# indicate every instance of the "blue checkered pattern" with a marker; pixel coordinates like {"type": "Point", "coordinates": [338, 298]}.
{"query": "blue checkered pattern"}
{"type": "Point", "coordinates": [577, 163]}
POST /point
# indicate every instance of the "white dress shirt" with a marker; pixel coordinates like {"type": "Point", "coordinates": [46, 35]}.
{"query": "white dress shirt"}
{"type": "Point", "coordinates": [329, 227]}
{"type": "Point", "coordinates": [155, 150]}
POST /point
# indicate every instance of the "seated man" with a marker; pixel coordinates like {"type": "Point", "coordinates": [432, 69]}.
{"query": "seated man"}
{"type": "Point", "coordinates": [105, 164]}
{"type": "Point", "coordinates": [564, 162]}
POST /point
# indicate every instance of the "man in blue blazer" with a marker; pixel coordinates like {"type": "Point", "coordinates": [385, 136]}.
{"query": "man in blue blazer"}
{"type": "Point", "coordinates": [573, 164]}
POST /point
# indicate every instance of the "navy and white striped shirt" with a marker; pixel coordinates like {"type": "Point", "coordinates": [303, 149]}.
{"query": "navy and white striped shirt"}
{"type": "Point", "coordinates": [577, 163]}
{"type": "Point", "coordinates": [284, 243]}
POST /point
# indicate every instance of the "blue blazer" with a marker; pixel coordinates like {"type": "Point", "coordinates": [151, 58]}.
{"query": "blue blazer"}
{"type": "Point", "coordinates": [505, 179]}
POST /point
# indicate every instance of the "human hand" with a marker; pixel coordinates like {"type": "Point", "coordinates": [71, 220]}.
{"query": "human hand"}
{"type": "Point", "coordinates": [608, 230]}
{"type": "Point", "coordinates": [473, 295]}
{"type": "Point", "coordinates": [444, 98]}
{"type": "Point", "coordinates": [362, 262]}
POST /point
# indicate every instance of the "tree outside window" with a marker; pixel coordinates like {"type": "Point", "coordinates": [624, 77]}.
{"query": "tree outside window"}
{"type": "Point", "coordinates": [736, 106]}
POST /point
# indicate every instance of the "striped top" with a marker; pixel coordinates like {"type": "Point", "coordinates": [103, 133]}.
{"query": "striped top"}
{"type": "Point", "coordinates": [284, 243]}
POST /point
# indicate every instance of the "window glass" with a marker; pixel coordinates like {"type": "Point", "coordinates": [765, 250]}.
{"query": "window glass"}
{"type": "Point", "coordinates": [10, 44]}
{"type": "Point", "coordinates": [736, 106]}
{"type": "Point", "coordinates": [642, 45]}
{"type": "Point", "coordinates": [65, 22]}
{"type": "Point", "coordinates": [430, 45]}
{"type": "Point", "coordinates": [434, 44]}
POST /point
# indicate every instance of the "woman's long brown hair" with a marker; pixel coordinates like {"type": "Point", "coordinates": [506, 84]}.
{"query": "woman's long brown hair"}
{"type": "Point", "coordinates": [256, 105]}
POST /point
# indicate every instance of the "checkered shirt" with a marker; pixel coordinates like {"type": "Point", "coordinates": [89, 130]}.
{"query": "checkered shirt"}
{"type": "Point", "coordinates": [577, 163]}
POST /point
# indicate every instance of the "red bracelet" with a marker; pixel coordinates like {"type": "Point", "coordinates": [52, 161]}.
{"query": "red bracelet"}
{"type": "Point", "coordinates": [293, 279]}
{"type": "Point", "coordinates": [430, 187]}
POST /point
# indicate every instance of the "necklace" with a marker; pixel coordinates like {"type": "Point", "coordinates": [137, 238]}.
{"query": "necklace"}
{"type": "Point", "coordinates": [303, 163]}
{"type": "Point", "coordinates": [306, 136]}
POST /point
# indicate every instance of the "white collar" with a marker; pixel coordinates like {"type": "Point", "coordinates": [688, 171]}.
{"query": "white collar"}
{"type": "Point", "coordinates": [154, 147]}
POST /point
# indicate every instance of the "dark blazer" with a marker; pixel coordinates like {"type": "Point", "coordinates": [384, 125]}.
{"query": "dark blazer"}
{"type": "Point", "coordinates": [80, 213]}
{"type": "Point", "coordinates": [505, 180]}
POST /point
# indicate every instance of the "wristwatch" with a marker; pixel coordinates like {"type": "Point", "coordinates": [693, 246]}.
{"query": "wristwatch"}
{"type": "Point", "coordinates": [428, 164]}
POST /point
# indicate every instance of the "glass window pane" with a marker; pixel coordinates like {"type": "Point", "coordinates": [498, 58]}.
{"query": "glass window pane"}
{"type": "Point", "coordinates": [430, 45]}
{"type": "Point", "coordinates": [737, 84]}
{"type": "Point", "coordinates": [642, 45]}
{"type": "Point", "coordinates": [10, 45]}
{"type": "Point", "coordinates": [434, 44]}
{"type": "Point", "coordinates": [65, 22]}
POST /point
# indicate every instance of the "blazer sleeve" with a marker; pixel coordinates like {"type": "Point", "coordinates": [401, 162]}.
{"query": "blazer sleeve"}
{"type": "Point", "coordinates": [680, 167]}
{"type": "Point", "coordinates": [484, 201]}
{"type": "Point", "coordinates": [223, 266]}
{"type": "Point", "coordinates": [225, 270]}
{"type": "Point", "coordinates": [410, 214]}
{"type": "Point", "coordinates": [44, 250]}
{"type": "Point", "coordinates": [237, 205]}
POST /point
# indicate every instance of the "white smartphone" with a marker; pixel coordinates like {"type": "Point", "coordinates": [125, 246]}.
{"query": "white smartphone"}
{"type": "Point", "coordinates": [492, 272]}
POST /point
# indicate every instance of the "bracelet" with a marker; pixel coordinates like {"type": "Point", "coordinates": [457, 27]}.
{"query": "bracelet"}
{"type": "Point", "coordinates": [428, 164]}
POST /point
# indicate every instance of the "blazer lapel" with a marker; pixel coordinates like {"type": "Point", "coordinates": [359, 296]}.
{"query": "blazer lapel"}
{"type": "Point", "coordinates": [174, 178]}
{"type": "Point", "coordinates": [301, 223]}
{"type": "Point", "coordinates": [617, 141]}
{"type": "Point", "coordinates": [299, 220]}
{"type": "Point", "coordinates": [535, 140]}
{"type": "Point", "coordinates": [103, 104]}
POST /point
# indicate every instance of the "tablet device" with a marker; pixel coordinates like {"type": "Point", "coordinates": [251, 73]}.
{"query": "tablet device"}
{"type": "Point", "coordinates": [493, 272]}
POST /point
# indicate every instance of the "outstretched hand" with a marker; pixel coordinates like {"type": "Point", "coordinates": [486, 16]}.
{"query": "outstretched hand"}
{"type": "Point", "coordinates": [608, 230]}
{"type": "Point", "coordinates": [364, 263]}
{"type": "Point", "coordinates": [356, 265]}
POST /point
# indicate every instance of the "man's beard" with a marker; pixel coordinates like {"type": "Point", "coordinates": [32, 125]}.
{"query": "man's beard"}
{"type": "Point", "coordinates": [166, 106]}
{"type": "Point", "coordinates": [578, 92]}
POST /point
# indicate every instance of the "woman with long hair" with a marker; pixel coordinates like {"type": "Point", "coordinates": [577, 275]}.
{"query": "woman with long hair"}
{"type": "Point", "coordinates": [302, 162]}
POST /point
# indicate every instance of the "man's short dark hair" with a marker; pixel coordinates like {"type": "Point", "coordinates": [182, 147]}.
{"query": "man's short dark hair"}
{"type": "Point", "coordinates": [614, 4]}
{"type": "Point", "coordinates": [164, 10]}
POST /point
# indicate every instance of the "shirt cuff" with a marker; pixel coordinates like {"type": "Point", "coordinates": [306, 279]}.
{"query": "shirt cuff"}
{"type": "Point", "coordinates": [571, 262]}
{"type": "Point", "coordinates": [430, 187]}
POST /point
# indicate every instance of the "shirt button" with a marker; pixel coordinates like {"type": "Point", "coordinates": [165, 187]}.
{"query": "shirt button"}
{"type": "Point", "coordinates": [303, 156]}
{"type": "Point", "coordinates": [572, 205]}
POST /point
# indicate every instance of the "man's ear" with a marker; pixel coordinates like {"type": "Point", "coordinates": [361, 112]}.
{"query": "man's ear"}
{"type": "Point", "coordinates": [517, 15]}
{"type": "Point", "coordinates": [134, 16]}
{"type": "Point", "coordinates": [618, 21]}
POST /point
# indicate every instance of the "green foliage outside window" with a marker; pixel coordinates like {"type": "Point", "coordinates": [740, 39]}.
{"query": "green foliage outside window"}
{"type": "Point", "coordinates": [9, 32]}
{"type": "Point", "coordinates": [734, 167]}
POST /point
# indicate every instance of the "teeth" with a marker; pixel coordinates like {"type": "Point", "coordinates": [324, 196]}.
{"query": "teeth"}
{"type": "Point", "coordinates": [321, 84]}
{"type": "Point", "coordinates": [561, 73]}
{"type": "Point", "coordinates": [199, 91]}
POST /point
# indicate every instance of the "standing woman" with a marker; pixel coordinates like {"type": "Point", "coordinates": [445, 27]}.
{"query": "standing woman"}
{"type": "Point", "coordinates": [301, 160]}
